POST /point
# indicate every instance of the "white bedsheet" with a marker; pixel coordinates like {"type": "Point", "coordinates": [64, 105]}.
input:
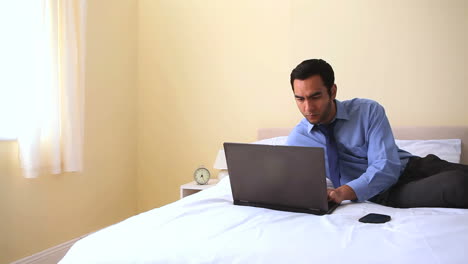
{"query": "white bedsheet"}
{"type": "Point", "coordinates": [207, 228]}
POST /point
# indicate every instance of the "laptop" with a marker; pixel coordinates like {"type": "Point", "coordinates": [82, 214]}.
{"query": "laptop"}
{"type": "Point", "coordinates": [285, 178]}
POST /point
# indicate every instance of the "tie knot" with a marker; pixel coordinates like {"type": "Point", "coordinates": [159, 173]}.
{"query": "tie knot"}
{"type": "Point", "coordinates": [326, 129]}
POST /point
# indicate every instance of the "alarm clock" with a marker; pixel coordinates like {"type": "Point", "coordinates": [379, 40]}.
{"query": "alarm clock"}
{"type": "Point", "coordinates": [201, 175]}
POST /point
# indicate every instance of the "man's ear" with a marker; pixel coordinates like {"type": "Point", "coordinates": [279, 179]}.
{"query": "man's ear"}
{"type": "Point", "coordinates": [333, 92]}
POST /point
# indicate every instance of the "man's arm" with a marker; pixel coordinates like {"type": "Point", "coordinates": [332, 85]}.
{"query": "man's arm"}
{"type": "Point", "coordinates": [382, 155]}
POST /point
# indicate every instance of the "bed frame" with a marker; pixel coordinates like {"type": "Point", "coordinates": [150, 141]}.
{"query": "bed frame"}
{"type": "Point", "coordinates": [422, 132]}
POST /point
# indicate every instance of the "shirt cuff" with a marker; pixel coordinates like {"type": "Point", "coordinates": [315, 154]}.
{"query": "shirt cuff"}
{"type": "Point", "coordinates": [360, 187]}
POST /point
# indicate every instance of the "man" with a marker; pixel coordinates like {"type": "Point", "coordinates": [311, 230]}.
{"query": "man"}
{"type": "Point", "coordinates": [363, 161]}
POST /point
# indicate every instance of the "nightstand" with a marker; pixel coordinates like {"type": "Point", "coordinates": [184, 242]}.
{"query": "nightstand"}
{"type": "Point", "coordinates": [193, 187]}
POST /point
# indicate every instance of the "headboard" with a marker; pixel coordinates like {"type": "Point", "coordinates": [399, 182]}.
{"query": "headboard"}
{"type": "Point", "coordinates": [407, 132]}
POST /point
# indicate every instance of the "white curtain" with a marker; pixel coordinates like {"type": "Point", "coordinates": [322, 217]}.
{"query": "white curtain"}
{"type": "Point", "coordinates": [50, 136]}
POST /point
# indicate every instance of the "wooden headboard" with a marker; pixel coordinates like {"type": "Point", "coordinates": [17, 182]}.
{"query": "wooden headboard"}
{"type": "Point", "coordinates": [428, 132]}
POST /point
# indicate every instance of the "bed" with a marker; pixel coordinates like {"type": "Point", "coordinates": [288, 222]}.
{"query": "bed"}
{"type": "Point", "coordinates": [207, 228]}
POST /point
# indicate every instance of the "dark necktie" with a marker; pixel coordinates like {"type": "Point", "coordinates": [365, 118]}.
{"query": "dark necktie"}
{"type": "Point", "coordinates": [332, 153]}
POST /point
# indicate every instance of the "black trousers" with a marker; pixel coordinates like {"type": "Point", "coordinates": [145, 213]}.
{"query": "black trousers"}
{"type": "Point", "coordinates": [428, 182]}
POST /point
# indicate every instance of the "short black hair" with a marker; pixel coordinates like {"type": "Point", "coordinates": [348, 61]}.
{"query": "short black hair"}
{"type": "Point", "coordinates": [309, 68]}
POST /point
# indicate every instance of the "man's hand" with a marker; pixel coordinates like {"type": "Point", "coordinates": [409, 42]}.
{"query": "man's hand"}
{"type": "Point", "coordinates": [341, 193]}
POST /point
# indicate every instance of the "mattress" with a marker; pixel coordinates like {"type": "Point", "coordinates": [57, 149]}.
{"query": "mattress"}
{"type": "Point", "coordinates": [207, 228]}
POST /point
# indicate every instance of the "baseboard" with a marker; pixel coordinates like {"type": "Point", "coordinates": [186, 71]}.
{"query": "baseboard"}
{"type": "Point", "coordinates": [51, 255]}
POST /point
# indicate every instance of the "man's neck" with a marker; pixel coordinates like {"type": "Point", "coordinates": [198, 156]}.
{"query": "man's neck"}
{"type": "Point", "coordinates": [332, 114]}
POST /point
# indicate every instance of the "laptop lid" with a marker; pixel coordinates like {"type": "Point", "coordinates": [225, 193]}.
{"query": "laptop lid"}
{"type": "Point", "coordinates": [287, 178]}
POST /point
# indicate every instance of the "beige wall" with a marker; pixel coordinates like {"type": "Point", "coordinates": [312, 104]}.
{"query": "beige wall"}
{"type": "Point", "coordinates": [411, 56]}
{"type": "Point", "coordinates": [36, 214]}
{"type": "Point", "coordinates": [213, 71]}
{"type": "Point", "coordinates": [209, 72]}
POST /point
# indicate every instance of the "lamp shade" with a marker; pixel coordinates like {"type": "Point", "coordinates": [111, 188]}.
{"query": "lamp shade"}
{"type": "Point", "coordinates": [220, 162]}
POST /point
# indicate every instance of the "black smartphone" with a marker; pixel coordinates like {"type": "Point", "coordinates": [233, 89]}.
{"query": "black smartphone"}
{"type": "Point", "coordinates": [375, 218]}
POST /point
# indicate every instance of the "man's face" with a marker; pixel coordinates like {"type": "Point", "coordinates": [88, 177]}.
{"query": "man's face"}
{"type": "Point", "coordinates": [313, 100]}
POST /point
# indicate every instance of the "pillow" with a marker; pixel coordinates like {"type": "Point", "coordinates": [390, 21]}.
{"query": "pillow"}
{"type": "Point", "coordinates": [272, 141]}
{"type": "Point", "coordinates": [446, 149]}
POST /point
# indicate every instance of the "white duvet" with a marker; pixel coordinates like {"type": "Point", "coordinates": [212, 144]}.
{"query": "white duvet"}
{"type": "Point", "coordinates": [207, 228]}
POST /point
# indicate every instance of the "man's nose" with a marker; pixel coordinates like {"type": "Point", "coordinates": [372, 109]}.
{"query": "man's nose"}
{"type": "Point", "coordinates": [309, 107]}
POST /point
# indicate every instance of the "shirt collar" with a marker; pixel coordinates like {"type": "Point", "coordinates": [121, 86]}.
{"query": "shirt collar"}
{"type": "Point", "coordinates": [341, 113]}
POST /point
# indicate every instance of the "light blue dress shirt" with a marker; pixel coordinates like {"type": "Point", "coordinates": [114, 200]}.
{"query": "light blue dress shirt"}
{"type": "Point", "coordinates": [369, 160]}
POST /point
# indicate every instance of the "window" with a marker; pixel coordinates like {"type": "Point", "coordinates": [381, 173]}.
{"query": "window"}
{"type": "Point", "coordinates": [42, 82]}
{"type": "Point", "coordinates": [20, 60]}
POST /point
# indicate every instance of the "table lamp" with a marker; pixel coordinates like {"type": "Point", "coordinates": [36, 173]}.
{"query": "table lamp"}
{"type": "Point", "coordinates": [220, 164]}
